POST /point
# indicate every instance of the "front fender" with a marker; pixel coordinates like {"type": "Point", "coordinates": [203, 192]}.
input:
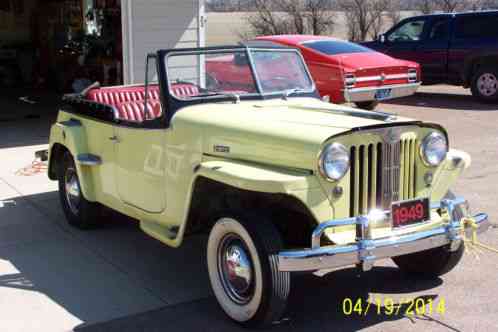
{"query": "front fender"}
{"type": "Point", "coordinates": [255, 177]}
{"type": "Point", "coordinates": [456, 162]}
{"type": "Point", "coordinates": [71, 136]}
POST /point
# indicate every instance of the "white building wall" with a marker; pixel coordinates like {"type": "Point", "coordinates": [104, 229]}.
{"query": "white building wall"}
{"type": "Point", "coordinates": [149, 25]}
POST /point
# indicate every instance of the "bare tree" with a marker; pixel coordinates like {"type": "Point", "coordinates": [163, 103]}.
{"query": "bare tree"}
{"type": "Point", "coordinates": [266, 21]}
{"type": "Point", "coordinates": [394, 11]}
{"type": "Point", "coordinates": [363, 17]}
{"type": "Point", "coordinates": [378, 9]}
{"type": "Point", "coordinates": [424, 6]}
{"type": "Point", "coordinates": [291, 16]}
{"type": "Point", "coordinates": [320, 18]}
{"type": "Point", "coordinates": [450, 6]}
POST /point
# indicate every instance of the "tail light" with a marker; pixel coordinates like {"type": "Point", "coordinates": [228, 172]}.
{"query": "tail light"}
{"type": "Point", "coordinates": [349, 80]}
{"type": "Point", "coordinates": [412, 75]}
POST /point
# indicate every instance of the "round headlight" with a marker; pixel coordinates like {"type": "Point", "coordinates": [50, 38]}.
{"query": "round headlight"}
{"type": "Point", "coordinates": [434, 148]}
{"type": "Point", "coordinates": [334, 161]}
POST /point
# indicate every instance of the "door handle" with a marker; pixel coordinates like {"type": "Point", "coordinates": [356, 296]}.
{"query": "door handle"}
{"type": "Point", "coordinates": [114, 139]}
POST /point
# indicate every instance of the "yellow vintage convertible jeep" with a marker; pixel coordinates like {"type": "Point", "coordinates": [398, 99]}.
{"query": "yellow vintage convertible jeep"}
{"type": "Point", "coordinates": [282, 181]}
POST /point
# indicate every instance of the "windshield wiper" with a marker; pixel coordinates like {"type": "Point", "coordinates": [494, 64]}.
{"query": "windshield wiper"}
{"type": "Point", "coordinates": [287, 93]}
{"type": "Point", "coordinates": [234, 96]}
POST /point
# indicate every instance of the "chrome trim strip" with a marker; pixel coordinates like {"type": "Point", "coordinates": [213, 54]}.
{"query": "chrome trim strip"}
{"type": "Point", "coordinates": [383, 78]}
{"type": "Point", "coordinates": [391, 86]}
{"type": "Point", "coordinates": [87, 159]}
{"type": "Point", "coordinates": [365, 251]}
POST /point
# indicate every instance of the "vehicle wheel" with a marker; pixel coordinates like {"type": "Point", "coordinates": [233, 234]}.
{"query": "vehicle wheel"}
{"type": "Point", "coordinates": [243, 269]}
{"type": "Point", "coordinates": [79, 212]}
{"type": "Point", "coordinates": [433, 262]}
{"type": "Point", "coordinates": [367, 105]}
{"type": "Point", "coordinates": [484, 85]}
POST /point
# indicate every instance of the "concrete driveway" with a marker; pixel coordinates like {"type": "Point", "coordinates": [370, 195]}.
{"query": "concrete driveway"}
{"type": "Point", "coordinates": [56, 278]}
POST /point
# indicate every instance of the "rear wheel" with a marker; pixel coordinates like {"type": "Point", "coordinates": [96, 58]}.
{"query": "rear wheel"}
{"type": "Point", "coordinates": [78, 211]}
{"type": "Point", "coordinates": [484, 85]}
{"type": "Point", "coordinates": [242, 256]}
{"type": "Point", "coordinates": [367, 105]}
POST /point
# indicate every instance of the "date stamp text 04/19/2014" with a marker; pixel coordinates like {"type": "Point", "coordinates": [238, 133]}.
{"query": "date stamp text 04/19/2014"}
{"type": "Point", "coordinates": [391, 307]}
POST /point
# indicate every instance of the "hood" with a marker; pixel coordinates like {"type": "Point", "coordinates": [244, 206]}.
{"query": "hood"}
{"type": "Point", "coordinates": [278, 132]}
{"type": "Point", "coordinates": [369, 60]}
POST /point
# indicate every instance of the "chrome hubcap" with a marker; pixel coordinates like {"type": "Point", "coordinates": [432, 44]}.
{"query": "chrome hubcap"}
{"type": "Point", "coordinates": [73, 192]}
{"type": "Point", "coordinates": [235, 269]}
{"type": "Point", "coordinates": [487, 84]}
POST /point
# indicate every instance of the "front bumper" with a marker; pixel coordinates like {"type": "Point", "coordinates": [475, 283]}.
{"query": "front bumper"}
{"type": "Point", "coordinates": [368, 93]}
{"type": "Point", "coordinates": [365, 251]}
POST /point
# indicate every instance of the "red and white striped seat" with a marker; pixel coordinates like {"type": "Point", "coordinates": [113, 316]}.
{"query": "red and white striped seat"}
{"type": "Point", "coordinates": [180, 90]}
{"type": "Point", "coordinates": [134, 111]}
{"type": "Point", "coordinates": [129, 100]}
{"type": "Point", "coordinates": [115, 95]}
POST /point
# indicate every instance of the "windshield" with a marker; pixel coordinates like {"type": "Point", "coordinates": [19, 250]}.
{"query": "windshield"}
{"type": "Point", "coordinates": [332, 47]}
{"type": "Point", "coordinates": [237, 72]}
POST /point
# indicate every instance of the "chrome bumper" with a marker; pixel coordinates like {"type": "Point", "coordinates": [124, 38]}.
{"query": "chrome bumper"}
{"type": "Point", "coordinates": [368, 93]}
{"type": "Point", "coordinates": [365, 251]}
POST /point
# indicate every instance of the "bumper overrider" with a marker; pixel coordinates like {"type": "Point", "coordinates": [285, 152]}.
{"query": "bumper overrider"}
{"type": "Point", "coordinates": [368, 93]}
{"type": "Point", "coordinates": [365, 250]}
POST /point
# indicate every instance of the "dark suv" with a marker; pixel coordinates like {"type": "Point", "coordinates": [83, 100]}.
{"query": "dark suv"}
{"type": "Point", "coordinates": [459, 49]}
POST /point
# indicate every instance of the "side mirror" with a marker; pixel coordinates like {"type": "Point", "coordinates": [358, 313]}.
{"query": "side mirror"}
{"type": "Point", "coordinates": [382, 38]}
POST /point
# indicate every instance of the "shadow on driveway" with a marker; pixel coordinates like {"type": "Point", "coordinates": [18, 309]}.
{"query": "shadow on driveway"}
{"type": "Point", "coordinates": [315, 304]}
{"type": "Point", "coordinates": [118, 271]}
{"type": "Point", "coordinates": [447, 101]}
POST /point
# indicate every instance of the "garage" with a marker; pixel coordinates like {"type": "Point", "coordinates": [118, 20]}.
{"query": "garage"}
{"type": "Point", "coordinates": [62, 46]}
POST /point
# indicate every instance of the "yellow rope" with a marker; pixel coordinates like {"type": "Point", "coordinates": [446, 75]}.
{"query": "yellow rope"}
{"type": "Point", "coordinates": [474, 243]}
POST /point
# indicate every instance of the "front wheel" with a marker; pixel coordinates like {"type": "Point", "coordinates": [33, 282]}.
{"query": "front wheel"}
{"type": "Point", "coordinates": [367, 105]}
{"type": "Point", "coordinates": [430, 263]}
{"type": "Point", "coordinates": [242, 257]}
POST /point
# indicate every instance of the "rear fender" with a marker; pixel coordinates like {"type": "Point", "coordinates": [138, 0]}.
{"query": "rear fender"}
{"type": "Point", "coordinates": [70, 135]}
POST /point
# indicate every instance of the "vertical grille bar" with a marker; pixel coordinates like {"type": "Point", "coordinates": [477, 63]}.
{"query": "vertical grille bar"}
{"type": "Point", "coordinates": [381, 173]}
{"type": "Point", "coordinates": [396, 170]}
{"type": "Point", "coordinates": [365, 179]}
{"type": "Point", "coordinates": [402, 171]}
{"type": "Point", "coordinates": [372, 151]}
{"type": "Point", "coordinates": [352, 181]}
{"type": "Point", "coordinates": [412, 169]}
{"type": "Point", "coordinates": [406, 187]}
{"type": "Point", "coordinates": [357, 181]}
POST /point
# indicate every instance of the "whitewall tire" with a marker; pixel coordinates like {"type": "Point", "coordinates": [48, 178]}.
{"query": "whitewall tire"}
{"type": "Point", "coordinates": [243, 269]}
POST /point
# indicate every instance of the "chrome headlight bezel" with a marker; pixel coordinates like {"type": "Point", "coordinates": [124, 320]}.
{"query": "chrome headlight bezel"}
{"type": "Point", "coordinates": [337, 151]}
{"type": "Point", "coordinates": [425, 145]}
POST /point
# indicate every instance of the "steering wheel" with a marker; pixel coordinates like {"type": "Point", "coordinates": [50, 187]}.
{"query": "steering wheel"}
{"type": "Point", "coordinates": [212, 83]}
{"type": "Point", "coordinates": [404, 37]}
{"type": "Point", "coordinates": [276, 83]}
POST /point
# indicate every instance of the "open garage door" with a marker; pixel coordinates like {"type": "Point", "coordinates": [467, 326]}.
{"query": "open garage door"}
{"type": "Point", "coordinates": [149, 25]}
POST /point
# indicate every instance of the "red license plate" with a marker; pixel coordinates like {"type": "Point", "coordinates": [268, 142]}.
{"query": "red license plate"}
{"type": "Point", "coordinates": [410, 212]}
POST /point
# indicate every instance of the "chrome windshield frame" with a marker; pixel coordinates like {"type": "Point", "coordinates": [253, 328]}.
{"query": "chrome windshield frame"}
{"type": "Point", "coordinates": [249, 53]}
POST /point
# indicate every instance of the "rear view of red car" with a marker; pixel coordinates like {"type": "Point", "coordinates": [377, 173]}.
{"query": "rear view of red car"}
{"type": "Point", "coordinates": [348, 72]}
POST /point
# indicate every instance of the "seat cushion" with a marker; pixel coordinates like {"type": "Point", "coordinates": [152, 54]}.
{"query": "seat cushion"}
{"type": "Point", "coordinates": [134, 111]}
{"type": "Point", "coordinates": [180, 90]}
{"type": "Point", "coordinates": [116, 95]}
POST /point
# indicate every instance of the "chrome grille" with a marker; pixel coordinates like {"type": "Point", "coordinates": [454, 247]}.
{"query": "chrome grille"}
{"type": "Point", "coordinates": [380, 174]}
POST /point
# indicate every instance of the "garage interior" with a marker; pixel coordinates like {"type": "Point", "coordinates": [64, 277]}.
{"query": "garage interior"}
{"type": "Point", "coordinates": [52, 47]}
{"type": "Point", "coordinates": [59, 45]}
